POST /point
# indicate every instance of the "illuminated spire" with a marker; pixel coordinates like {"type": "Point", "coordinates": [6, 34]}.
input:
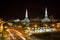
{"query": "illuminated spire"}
{"type": "Point", "coordinates": [26, 15]}
{"type": "Point", "coordinates": [46, 15]}
{"type": "Point", "coordinates": [46, 19]}
{"type": "Point", "coordinates": [26, 18]}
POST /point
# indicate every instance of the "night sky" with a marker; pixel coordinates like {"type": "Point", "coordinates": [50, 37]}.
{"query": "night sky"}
{"type": "Point", "coordinates": [16, 9]}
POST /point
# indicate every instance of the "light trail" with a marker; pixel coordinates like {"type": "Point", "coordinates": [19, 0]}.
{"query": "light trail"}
{"type": "Point", "coordinates": [20, 34]}
{"type": "Point", "coordinates": [11, 34]}
{"type": "Point", "coordinates": [16, 35]}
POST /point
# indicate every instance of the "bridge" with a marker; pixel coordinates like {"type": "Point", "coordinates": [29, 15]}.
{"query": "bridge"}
{"type": "Point", "coordinates": [41, 30]}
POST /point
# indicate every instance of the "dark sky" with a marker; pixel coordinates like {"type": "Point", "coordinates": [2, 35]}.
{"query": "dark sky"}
{"type": "Point", "coordinates": [16, 9]}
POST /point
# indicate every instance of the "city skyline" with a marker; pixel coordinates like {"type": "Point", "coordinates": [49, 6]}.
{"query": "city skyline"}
{"type": "Point", "coordinates": [16, 9]}
{"type": "Point", "coordinates": [29, 20]}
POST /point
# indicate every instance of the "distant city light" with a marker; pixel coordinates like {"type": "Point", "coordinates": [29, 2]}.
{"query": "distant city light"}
{"type": "Point", "coordinates": [58, 25]}
{"type": "Point", "coordinates": [9, 23]}
{"type": "Point", "coordinates": [32, 28]}
{"type": "Point", "coordinates": [35, 25]}
{"type": "Point", "coordinates": [5, 26]}
{"type": "Point", "coordinates": [42, 30]}
{"type": "Point", "coordinates": [19, 26]}
{"type": "Point", "coordinates": [28, 28]}
{"type": "Point", "coordinates": [53, 24]}
{"type": "Point", "coordinates": [17, 20]}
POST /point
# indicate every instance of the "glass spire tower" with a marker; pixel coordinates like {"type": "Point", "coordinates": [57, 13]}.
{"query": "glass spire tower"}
{"type": "Point", "coordinates": [26, 17]}
{"type": "Point", "coordinates": [46, 19]}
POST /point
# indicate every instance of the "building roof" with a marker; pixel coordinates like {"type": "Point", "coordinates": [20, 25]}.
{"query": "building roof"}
{"type": "Point", "coordinates": [25, 20]}
{"type": "Point", "coordinates": [46, 20]}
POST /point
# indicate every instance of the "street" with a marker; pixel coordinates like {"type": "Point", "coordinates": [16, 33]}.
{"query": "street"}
{"type": "Point", "coordinates": [15, 35]}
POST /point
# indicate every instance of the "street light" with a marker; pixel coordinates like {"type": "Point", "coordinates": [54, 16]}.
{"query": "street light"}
{"type": "Point", "coordinates": [35, 26]}
{"type": "Point", "coordinates": [53, 25]}
{"type": "Point", "coordinates": [5, 27]}
{"type": "Point", "coordinates": [28, 28]}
